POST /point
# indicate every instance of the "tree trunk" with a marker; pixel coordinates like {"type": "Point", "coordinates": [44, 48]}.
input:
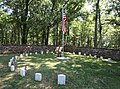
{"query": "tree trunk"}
{"type": "Point", "coordinates": [43, 38]}
{"type": "Point", "coordinates": [96, 28]}
{"type": "Point", "coordinates": [100, 30]}
{"type": "Point", "coordinates": [24, 21]}
{"type": "Point", "coordinates": [47, 35]}
{"type": "Point", "coordinates": [2, 39]}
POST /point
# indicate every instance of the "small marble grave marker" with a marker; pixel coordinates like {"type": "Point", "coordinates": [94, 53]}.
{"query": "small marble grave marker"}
{"type": "Point", "coordinates": [47, 52]}
{"type": "Point", "coordinates": [12, 68]}
{"type": "Point", "coordinates": [30, 53]}
{"type": "Point", "coordinates": [52, 52]}
{"type": "Point", "coordinates": [90, 55]}
{"type": "Point", "coordinates": [41, 52]}
{"type": "Point", "coordinates": [101, 57]}
{"type": "Point", "coordinates": [38, 76]}
{"type": "Point", "coordinates": [79, 53]}
{"type": "Point", "coordinates": [26, 54]}
{"type": "Point", "coordinates": [36, 53]}
{"type": "Point", "coordinates": [11, 60]}
{"type": "Point", "coordinates": [16, 57]}
{"type": "Point", "coordinates": [95, 56]}
{"type": "Point", "coordinates": [21, 55]}
{"type": "Point", "coordinates": [109, 60]}
{"type": "Point", "coordinates": [73, 52]}
{"type": "Point", "coordinates": [9, 64]}
{"type": "Point", "coordinates": [23, 72]}
{"type": "Point", "coordinates": [84, 54]}
{"type": "Point", "coordinates": [61, 79]}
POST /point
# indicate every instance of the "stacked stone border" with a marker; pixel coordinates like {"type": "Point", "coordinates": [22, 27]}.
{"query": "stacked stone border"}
{"type": "Point", "coordinates": [106, 53]}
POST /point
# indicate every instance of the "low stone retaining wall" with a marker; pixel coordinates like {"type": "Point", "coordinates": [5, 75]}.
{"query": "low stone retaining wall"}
{"type": "Point", "coordinates": [106, 53]}
{"type": "Point", "coordinates": [113, 53]}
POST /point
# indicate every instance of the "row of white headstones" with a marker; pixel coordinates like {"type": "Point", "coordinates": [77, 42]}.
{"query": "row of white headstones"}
{"type": "Point", "coordinates": [95, 56]}
{"type": "Point", "coordinates": [38, 76]}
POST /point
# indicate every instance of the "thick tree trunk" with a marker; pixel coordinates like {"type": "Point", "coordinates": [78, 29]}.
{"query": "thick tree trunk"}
{"type": "Point", "coordinates": [96, 28]}
{"type": "Point", "coordinates": [24, 21]}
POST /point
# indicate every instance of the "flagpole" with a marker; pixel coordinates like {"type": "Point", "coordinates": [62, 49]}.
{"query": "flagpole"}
{"type": "Point", "coordinates": [62, 31]}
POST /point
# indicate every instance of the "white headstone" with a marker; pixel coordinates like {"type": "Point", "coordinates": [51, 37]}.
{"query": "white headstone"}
{"type": "Point", "coordinates": [79, 53]}
{"type": "Point", "coordinates": [95, 56]}
{"type": "Point", "coordinates": [109, 59]}
{"type": "Point", "coordinates": [73, 52]}
{"type": "Point", "coordinates": [52, 52]}
{"type": "Point", "coordinates": [36, 53]}
{"type": "Point", "coordinates": [30, 53]}
{"type": "Point", "coordinates": [101, 57]}
{"type": "Point", "coordinates": [38, 76]}
{"type": "Point", "coordinates": [21, 55]}
{"type": "Point", "coordinates": [41, 52]}
{"type": "Point", "coordinates": [16, 57]}
{"type": "Point", "coordinates": [26, 54]}
{"type": "Point", "coordinates": [9, 64]}
{"type": "Point", "coordinates": [61, 79]}
{"type": "Point", "coordinates": [90, 55]}
{"type": "Point", "coordinates": [12, 68]}
{"type": "Point", "coordinates": [22, 72]}
{"type": "Point", "coordinates": [11, 60]}
{"type": "Point", "coordinates": [84, 54]}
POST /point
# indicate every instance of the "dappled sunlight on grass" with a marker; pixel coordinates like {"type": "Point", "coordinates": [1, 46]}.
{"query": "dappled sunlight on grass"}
{"type": "Point", "coordinates": [82, 72]}
{"type": "Point", "coordinates": [51, 65]}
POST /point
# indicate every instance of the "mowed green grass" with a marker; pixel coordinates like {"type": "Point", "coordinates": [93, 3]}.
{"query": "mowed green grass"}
{"type": "Point", "coordinates": [81, 72]}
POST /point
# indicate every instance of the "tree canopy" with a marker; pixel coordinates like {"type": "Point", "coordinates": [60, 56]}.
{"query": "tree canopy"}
{"type": "Point", "coordinates": [90, 23]}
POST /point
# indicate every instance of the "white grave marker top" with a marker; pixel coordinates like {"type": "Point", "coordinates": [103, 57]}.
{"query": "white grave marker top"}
{"type": "Point", "coordinates": [9, 64]}
{"type": "Point", "coordinates": [26, 54]}
{"type": "Point", "coordinates": [36, 53]}
{"type": "Point", "coordinates": [38, 76]}
{"type": "Point", "coordinates": [12, 68]}
{"type": "Point", "coordinates": [84, 54]}
{"type": "Point", "coordinates": [30, 53]}
{"type": "Point", "coordinates": [22, 72]}
{"type": "Point", "coordinates": [41, 52]}
{"type": "Point", "coordinates": [101, 57]}
{"type": "Point", "coordinates": [79, 53]}
{"type": "Point", "coordinates": [90, 55]}
{"type": "Point", "coordinates": [61, 79]}
{"type": "Point", "coordinates": [21, 55]}
{"type": "Point", "coordinates": [95, 56]}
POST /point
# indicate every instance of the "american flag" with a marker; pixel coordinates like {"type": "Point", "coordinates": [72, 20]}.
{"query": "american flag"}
{"type": "Point", "coordinates": [64, 23]}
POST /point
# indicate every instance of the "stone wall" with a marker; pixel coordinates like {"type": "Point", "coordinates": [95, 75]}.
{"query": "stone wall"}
{"type": "Point", "coordinates": [106, 53]}
{"type": "Point", "coordinates": [113, 53]}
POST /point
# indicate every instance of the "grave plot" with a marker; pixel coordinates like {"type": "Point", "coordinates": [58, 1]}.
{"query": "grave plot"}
{"type": "Point", "coordinates": [39, 71]}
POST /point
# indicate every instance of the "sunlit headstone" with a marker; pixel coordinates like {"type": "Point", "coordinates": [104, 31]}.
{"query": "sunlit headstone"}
{"type": "Point", "coordinates": [79, 53]}
{"type": "Point", "coordinates": [12, 68]}
{"type": "Point", "coordinates": [23, 72]}
{"type": "Point", "coordinates": [84, 54]}
{"type": "Point", "coordinates": [109, 60]}
{"type": "Point", "coordinates": [101, 57]}
{"type": "Point", "coordinates": [95, 56]}
{"type": "Point", "coordinates": [61, 79]}
{"type": "Point", "coordinates": [38, 76]}
{"type": "Point", "coordinates": [9, 64]}
{"type": "Point", "coordinates": [21, 55]}
{"type": "Point", "coordinates": [41, 52]}
{"type": "Point", "coordinates": [90, 55]}
{"type": "Point", "coordinates": [73, 52]}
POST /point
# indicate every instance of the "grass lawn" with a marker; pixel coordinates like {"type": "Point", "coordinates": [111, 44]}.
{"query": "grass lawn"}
{"type": "Point", "coordinates": [81, 73]}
